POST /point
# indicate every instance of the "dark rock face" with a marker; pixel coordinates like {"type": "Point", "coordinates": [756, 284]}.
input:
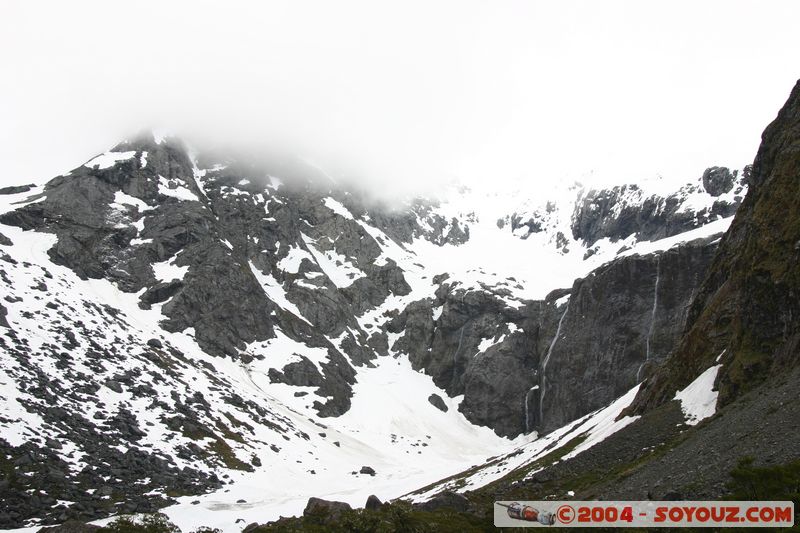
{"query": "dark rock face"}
{"type": "Point", "coordinates": [747, 312]}
{"type": "Point", "coordinates": [406, 227]}
{"type": "Point", "coordinates": [16, 189]}
{"type": "Point", "coordinates": [476, 346]}
{"type": "Point", "coordinates": [160, 292]}
{"type": "Point", "coordinates": [622, 321]}
{"type": "Point", "coordinates": [626, 210]}
{"type": "Point", "coordinates": [718, 180]}
{"type": "Point", "coordinates": [498, 381]}
{"type": "Point", "coordinates": [155, 343]}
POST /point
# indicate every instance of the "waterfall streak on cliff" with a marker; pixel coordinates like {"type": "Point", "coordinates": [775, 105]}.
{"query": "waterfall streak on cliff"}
{"type": "Point", "coordinates": [546, 360]}
{"type": "Point", "coordinates": [527, 408]}
{"type": "Point", "coordinates": [458, 349]}
{"type": "Point", "coordinates": [652, 320]}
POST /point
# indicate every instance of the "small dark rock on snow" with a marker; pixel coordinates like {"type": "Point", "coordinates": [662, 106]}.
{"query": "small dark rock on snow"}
{"type": "Point", "coordinates": [437, 402]}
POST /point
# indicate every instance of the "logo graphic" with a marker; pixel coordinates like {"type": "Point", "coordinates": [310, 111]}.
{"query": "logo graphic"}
{"type": "Point", "coordinates": [643, 514]}
{"type": "Point", "coordinates": [527, 513]}
{"type": "Point", "coordinates": [565, 514]}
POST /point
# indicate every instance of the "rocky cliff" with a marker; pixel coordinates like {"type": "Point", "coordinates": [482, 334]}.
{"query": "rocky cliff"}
{"type": "Point", "coordinates": [619, 323]}
{"type": "Point", "coordinates": [551, 361]}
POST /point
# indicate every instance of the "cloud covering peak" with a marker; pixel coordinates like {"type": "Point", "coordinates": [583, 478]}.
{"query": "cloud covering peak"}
{"type": "Point", "coordinates": [404, 95]}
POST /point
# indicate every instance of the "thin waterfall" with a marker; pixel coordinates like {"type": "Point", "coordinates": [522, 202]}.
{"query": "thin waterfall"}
{"type": "Point", "coordinates": [458, 349]}
{"type": "Point", "coordinates": [652, 319]}
{"type": "Point", "coordinates": [546, 359]}
{"type": "Point", "coordinates": [527, 408]}
{"type": "Point", "coordinates": [460, 338]}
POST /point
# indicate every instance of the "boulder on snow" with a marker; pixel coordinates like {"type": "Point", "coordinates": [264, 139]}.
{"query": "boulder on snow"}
{"type": "Point", "coordinates": [437, 402]}
{"type": "Point", "coordinates": [367, 470]}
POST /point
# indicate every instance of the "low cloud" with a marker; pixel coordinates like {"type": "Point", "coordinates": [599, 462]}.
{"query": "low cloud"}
{"type": "Point", "coordinates": [405, 96]}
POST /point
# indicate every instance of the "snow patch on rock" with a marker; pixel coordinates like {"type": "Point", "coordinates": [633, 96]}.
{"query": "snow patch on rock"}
{"type": "Point", "coordinates": [699, 399]}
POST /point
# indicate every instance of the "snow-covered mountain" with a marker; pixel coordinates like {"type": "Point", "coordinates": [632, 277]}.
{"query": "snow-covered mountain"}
{"type": "Point", "coordinates": [228, 338]}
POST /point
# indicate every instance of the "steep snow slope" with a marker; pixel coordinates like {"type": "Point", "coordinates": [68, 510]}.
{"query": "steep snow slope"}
{"type": "Point", "coordinates": [563, 444]}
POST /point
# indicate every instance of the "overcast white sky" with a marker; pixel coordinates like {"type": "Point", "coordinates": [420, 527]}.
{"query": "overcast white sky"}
{"type": "Point", "coordinates": [496, 91]}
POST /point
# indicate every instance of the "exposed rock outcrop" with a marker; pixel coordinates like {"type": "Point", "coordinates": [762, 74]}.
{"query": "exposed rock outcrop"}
{"type": "Point", "coordinates": [621, 211]}
{"type": "Point", "coordinates": [623, 320]}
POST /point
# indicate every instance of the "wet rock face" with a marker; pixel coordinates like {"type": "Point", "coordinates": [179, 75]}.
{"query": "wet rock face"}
{"type": "Point", "coordinates": [614, 327]}
{"type": "Point", "coordinates": [621, 323]}
{"type": "Point", "coordinates": [496, 385]}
